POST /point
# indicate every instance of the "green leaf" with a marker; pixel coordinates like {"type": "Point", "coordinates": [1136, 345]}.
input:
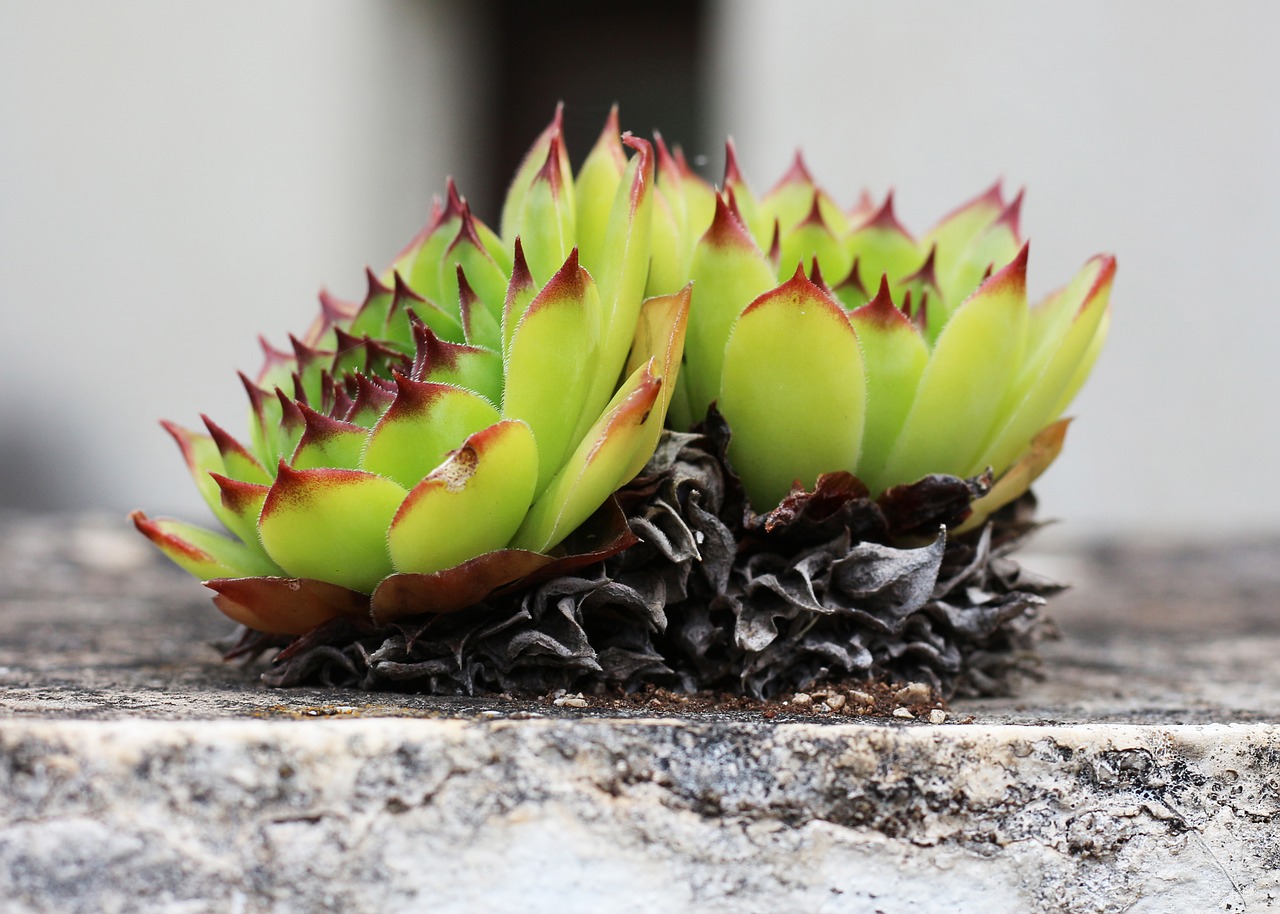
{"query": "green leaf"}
{"type": "Point", "coordinates": [740, 197]}
{"type": "Point", "coordinates": [602, 462]}
{"type": "Point", "coordinates": [882, 247]}
{"type": "Point", "coordinates": [895, 356]}
{"type": "Point", "coordinates": [200, 552]}
{"type": "Point", "coordinates": [521, 291]}
{"type": "Point", "coordinates": [331, 525]}
{"type": "Point", "coordinates": [955, 232]}
{"type": "Point", "coordinates": [1063, 330]}
{"type": "Point", "coordinates": [547, 227]}
{"type": "Point", "coordinates": [533, 162]}
{"type": "Point", "coordinates": [552, 363]}
{"type": "Point", "coordinates": [791, 198]}
{"type": "Point", "coordinates": [469, 505]}
{"type": "Point", "coordinates": [989, 249]}
{"type": "Point", "coordinates": [659, 348]}
{"type": "Point", "coordinates": [964, 384]}
{"type": "Point", "coordinates": [484, 276]}
{"type": "Point", "coordinates": [728, 272]}
{"type": "Point", "coordinates": [473, 367]}
{"type": "Point", "coordinates": [812, 239]}
{"type": "Point", "coordinates": [242, 503]}
{"type": "Point", "coordinates": [424, 423]}
{"type": "Point", "coordinates": [236, 459]}
{"type": "Point", "coordinates": [792, 391]}
{"type": "Point", "coordinates": [328, 442]}
{"type": "Point", "coordinates": [620, 279]}
{"type": "Point", "coordinates": [594, 190]}
{"type": "Point", "coordinates": [1039, 454]}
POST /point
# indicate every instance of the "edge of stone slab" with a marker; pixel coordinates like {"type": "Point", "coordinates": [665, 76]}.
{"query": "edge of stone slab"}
{"type": "Point", "coordinates": [657, 814]}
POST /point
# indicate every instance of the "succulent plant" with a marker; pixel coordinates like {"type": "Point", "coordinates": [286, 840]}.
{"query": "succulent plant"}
{"type": "Point", "coordinates": [456, 431]}
{"type": "Point", "coordinates": [835, 341]}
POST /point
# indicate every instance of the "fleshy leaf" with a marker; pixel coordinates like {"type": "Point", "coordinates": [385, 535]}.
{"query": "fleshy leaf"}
{"type": "Point", "coordinates": [813, 239]}
{"type": "Point", "coordinates": [330, 525]}
{"type": "Point", "coordinates": [594, 190]}
{"type": "Point", "coordinates": [792, 391]}
{"type": "Point", "coordinates": [895, 356]}
{"type": "Point", "coordinates": [552, 363]}
{"type": "Point", "coordinates": [603, 534]}
{"type": "Point", "coordinates": [286, 606]}
{"type": "Point", "coordinates": [201, 552]}
{"type": "Point", "coordinates": [472, 367]}
{"type": "Point", "coordinates": [521, 290]}
{"type": "Point", "coordinates": [533, 162]}
{"type": "Point", "coordinates": [236, 458]}
{"type": "Point", "coordinates": [600, 464]}
{"type": "Point", "coordinates": [242, 504]}
{"type": "Point", "coordinates": [425, 423]}
{"type": "Point", "coordinates": [728, 272]}
{"type": "Point", "coordinates": [963, 385]}
{"type": "Point", "coordinates": [1043, 450]}
{"type": "Point", "coordinates": [620, 279]}
{"type": "Point", "coordinates": [1064, 329]}
{"type": "Point", "coordinates": [882, 247]}
{"type": "Point", "coordinates": [328, 442]}
{"type": "Point", "coordinates": [471, 504]}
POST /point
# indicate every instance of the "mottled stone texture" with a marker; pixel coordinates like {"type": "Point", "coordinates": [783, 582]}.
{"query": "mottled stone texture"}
{"type": "Point", "coordinates": [138, 772]}
{"type": "Point", "coordinates": [556, 816]}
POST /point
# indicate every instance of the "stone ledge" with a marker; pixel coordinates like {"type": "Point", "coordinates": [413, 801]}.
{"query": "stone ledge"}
{"type": "Point", "coordinates": [138, 772]}
{"type": "Point", "coordinates": [374, 815]}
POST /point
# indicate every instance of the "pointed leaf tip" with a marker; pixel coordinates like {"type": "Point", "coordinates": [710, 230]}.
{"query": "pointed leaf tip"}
{"type": "Point", "coordinates": [732, 173]}
{"type": "Point", "coordinates": [885, 218]}
{"type": "Point", "coordinates": [1011, 216]}
{"type": "Point", "coordinates": [798, 173]}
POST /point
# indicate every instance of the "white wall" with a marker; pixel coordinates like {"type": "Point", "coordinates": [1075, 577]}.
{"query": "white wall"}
{"type": "Point", "coordinates": [177, 177]}
{"type": "Point", "coordinates": [1151, 130]}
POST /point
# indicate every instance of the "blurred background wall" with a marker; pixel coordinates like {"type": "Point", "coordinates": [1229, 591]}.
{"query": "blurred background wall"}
{"type": "Point", "coordinates": [178, 177]}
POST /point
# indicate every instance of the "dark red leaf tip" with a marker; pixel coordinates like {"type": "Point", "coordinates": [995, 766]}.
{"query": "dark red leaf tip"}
{"type": "Point", "coordinates": [644, 171]}
{"type": "Point", "coordinates": [727, 228]}
{"type": "Point", "coordinates": [732, 173]}
{"type": "Point", "coordinates": [666, 164]}
{"type": "Point", "coordinates": [798, 173]}
{"type": "Point", "coordinates": [403, 293]}
{"type": "Point", "coordinates": [1011, 216]}
{"type": "Point", "coordinates": [374, 285]}
{"type": "Point", "coordinates": [864, 206]}
{"type": "Point", "coordinates": [467, 233]}
{"type": "Point", "coordinates": [854, 280]}
{"type": "Point", "coordinates": [334, 309]}
{"type": "Point", "coordinates": [927, 274]}
{"type": "Point", "coordinates": [884, 218]}
{"type": "Point", "coordinates": [881, 311]}
{"type": "Point", "coordinates": [814, 216]}
{"type": "Point", "coordinates": [550, 170]}
{"type": "Point", "coordinates": [521, 277]}
{"type": "Point", "coordinates": [1013, 276]}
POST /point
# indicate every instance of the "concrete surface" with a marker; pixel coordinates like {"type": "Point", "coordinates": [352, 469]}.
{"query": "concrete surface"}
{"type": "Point", "coordinates": [138, 772]}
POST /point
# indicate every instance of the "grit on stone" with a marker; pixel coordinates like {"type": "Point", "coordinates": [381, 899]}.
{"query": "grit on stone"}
{"type": "Point", "coordinates": [139, 772]}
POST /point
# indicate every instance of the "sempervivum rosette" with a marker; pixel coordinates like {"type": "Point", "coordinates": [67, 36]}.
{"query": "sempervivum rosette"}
{"type": "Point", "coordinates": [451, 435]}
{"type": "Point", "coordinates": [855, 418]}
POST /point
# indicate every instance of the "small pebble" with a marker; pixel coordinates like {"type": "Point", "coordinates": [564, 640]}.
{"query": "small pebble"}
{"type": "Point", "coordinates": [912, 692]}
{"type": "Point", "coordinates": [570, 701]}
{"type": "Point", "coordinates": [937, 716]}
{"type": "Point", "coordinates": [801, 699]}
{"type": "Point", "coordinates": [862, 698]}
{"type": "Point", "coordinates": [903, 712]}
{"type": "Point", "coordinates": [835, 702]}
